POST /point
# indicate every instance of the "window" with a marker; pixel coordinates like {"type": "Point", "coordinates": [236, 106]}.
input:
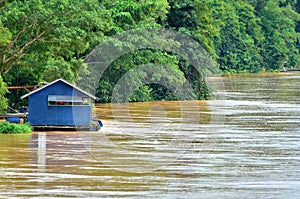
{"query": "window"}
{"type": "Point", "coordinates": [65, 100]}
{"type": "Point", "coordinates": [85, 100]}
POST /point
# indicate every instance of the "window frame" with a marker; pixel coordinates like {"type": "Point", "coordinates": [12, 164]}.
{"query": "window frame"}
{"type": "Point", "coordinates": [68, 100]}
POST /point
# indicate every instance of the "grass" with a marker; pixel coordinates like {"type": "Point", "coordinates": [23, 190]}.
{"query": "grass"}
{"type": "Point", "coordinates": [11, 128]}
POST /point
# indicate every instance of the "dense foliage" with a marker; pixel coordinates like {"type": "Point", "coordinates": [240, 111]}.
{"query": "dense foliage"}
{"type": "Point", "coordinates": [11, 128]}
{"type": "Point", "coordinates": [43, 40]}
{"type": "Point", "coordinates": [3, 100]}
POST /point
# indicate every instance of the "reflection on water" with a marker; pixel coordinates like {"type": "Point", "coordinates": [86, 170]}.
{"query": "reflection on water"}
{"type": "Point", "coordinates": [246, 146]}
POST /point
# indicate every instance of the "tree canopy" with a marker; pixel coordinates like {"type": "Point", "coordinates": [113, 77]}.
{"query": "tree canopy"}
{"type": "Point", "coordinates": [43, 40]}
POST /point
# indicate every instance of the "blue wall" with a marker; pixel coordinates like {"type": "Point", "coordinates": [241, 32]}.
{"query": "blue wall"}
{"type": "Point", "coordinates": [39, 113]}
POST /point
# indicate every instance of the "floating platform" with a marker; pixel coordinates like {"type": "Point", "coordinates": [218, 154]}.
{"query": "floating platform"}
{"type": "Point", "coordinates": [14, 117]}
{"type": "Point", "coordinates": [22, 118]}
{"type": "Point", "coordinates": [66, 128]}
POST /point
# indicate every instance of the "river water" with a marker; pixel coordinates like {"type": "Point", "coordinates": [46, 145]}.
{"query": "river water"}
{"type": "Point", "coordinates": [245, 143]}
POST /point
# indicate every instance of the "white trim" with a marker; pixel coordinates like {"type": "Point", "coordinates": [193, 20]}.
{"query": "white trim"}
{"type": "Point", "coordinates": [26, 95]}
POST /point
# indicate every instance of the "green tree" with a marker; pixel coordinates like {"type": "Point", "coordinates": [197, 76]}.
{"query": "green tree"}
{"type": "Point", "coordinates": [5, 37]}
{"type": "Point", "coordinates": [196, 19]}
{"type": "Point", "coordinates": [51, 35]}
{"type": "Point", "coordinates": [132, 14]}
{"type": "Point", "coordinates": [240, 36]}
{"type": "Point", "coordinates": [258, 4]}
{"type": "Point", "coordinates": [182, 14]}
{"type": "Point", "coordinates": [208, 26]}
{"type": "Point", "coordinates": [21, 76]}
{"type": "Point", "coordinates": [45, 40]}
{"type": "Point", "coordinates": [3, 100]}
{"type": "Point", "coordinates": [169, 74]}
{"type": "Point", "coordinates": [278, 23]}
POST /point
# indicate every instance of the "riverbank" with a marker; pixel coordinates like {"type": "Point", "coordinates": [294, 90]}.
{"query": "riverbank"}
{"type": "Point", "coordinates": [262, 74]}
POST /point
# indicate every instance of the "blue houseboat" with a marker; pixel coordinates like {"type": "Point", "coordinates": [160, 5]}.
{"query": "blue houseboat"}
{"type": "Point", "coordinates": [59, 104]}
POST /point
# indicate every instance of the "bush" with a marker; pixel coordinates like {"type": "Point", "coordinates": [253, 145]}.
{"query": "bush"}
{"type": "Point", "coordinates": [11, 128]}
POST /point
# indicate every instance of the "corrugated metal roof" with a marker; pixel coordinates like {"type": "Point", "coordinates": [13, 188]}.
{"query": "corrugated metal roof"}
{"type": "Point", "coordinates": [37, 90]}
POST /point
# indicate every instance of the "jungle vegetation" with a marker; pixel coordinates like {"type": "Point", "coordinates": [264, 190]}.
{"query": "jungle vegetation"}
{"type": "Point", "coordinates": [42, 40]}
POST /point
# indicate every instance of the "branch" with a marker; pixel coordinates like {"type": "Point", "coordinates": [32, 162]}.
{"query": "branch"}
{"type": "Point", "coordinates": [46, 41]}
{"type": "Point", "coordinates": [9, 68]}
{"type": "Point", "coordinates": [20, 51]}
{"type": "Point", "coordinates": [17, 36]}
{"type": "Point", "coordinates": [12, 64]}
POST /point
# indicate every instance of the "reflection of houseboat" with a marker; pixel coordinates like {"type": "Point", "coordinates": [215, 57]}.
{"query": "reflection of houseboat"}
{"type": "Point", "coordinates": [59, 149]}
{"type": "Point", "coordinates": [60, 104]}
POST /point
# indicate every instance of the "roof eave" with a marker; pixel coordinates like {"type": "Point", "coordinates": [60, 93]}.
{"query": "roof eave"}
{"type": "Point", "coordinates": [90, 95]}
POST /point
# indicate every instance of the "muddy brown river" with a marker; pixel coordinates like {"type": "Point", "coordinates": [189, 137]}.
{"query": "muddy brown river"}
{"type": "Point", "coordinates": [244, 143]}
